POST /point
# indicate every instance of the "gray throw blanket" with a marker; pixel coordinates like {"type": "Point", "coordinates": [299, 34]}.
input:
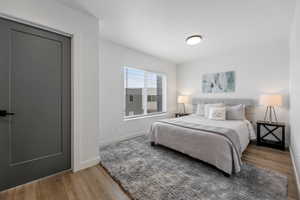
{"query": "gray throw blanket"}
{"type": "Point", "coordinates": [230, 134]}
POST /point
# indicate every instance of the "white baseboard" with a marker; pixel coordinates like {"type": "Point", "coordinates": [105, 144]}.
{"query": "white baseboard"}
{"type": "Point", "coordinates": [108, 142]}
{"type": "Point", "coordinates": [295, 170]}
{"type": "Point", "coordinates": [88, 163]}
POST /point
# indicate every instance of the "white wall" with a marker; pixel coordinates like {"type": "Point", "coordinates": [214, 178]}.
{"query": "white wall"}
{"type": "Point", "coordinates": [295, 88]}
{"type": "Point", "coordinates": [85, 30]}
{"type": "Point", "coordinates": [260, 69]}
{"type": "Point", "coordinates": [113, 58]}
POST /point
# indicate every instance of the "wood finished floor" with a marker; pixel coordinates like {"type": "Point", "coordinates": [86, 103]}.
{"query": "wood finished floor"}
{"type": "Point", "coordinates": [94, 183]}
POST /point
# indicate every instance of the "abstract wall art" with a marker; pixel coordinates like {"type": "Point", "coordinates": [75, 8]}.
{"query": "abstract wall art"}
{"type": "Point", "coordinates": [218, 82]}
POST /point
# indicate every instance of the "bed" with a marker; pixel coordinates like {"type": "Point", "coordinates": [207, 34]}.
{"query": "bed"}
{"type": "Point", "coordinates": [219, 143]}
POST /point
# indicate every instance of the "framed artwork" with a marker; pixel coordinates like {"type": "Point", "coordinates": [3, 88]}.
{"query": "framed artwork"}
{"type": "Point", "coordinates": [221, 82]}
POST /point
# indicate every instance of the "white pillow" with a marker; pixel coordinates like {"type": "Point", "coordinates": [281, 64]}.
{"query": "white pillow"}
{"type": "Point", "coordinates": [236, 112]}
{"type": "Point", "coordinates": [200, 109]}
{"type": "Point", "coordinates": [217, 113]}
{"type": "Point", "coordinates": [207, 106]}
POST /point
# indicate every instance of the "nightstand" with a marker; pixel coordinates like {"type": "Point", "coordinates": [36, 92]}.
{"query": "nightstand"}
{"type": "Point", "coordinates": [181, 114]}
{"type": "Point", "coordinates": [271, 127]}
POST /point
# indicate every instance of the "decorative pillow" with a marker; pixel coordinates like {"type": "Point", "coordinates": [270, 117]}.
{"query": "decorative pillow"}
{"type": "Point", "coordinates": [235, 112]}
{"type": "Point", "coordinates": [207, 106]}
{"type": "Point", "coordinates": [217, 113]}
{"type": "Point", "coordinates": [200, 110]}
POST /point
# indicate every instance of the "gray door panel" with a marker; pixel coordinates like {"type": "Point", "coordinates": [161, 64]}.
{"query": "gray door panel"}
{"type": "Point", "coordinates": [35, 85]}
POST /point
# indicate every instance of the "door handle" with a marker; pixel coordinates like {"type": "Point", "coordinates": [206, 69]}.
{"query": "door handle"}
{"type": "Point", "coordinates": [4, 113]}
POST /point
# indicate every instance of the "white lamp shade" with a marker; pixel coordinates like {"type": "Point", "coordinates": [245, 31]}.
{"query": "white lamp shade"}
{"type": "Point", "coordinates": [182, 99]}
{"type": "Point", "coordinates": [270, 100]}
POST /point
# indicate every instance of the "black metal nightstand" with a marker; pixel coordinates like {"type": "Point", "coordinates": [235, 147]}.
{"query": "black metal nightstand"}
{"type": "Point", "coordinates": [181, 114]}
{"type": "Point", "coordinates": [271, 127]}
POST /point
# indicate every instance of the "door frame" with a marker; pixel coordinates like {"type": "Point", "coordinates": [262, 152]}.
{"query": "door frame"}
{"type": "Point", "coordinates": [75, 120]}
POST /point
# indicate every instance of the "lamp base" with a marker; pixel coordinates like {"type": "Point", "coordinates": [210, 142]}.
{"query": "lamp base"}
{"type": "Point", "coordinates": [270, 114]}
{"type": "Point", "coordinates": [182, 111]}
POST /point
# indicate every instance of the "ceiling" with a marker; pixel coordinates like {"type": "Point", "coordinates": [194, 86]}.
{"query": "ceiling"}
{"type": "Point", "coordinates": [159, 27]}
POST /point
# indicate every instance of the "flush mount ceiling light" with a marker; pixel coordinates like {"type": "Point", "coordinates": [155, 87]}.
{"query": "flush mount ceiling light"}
{"type": "Point", "coordinates": [193, 40]}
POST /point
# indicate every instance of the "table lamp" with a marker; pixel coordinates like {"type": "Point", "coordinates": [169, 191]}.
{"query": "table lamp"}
{"type": "Point", "coordinates": [182, 100]}
{"type": "Point", "coordinates": [270, 101]}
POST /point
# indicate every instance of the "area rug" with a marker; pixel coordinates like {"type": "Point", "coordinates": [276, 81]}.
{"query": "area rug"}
{"type": "Point", "coordinates": [158, 173]}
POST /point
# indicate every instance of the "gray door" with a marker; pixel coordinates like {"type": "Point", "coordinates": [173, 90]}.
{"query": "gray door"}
{"type": "Point", "coordinates": [34, 103]}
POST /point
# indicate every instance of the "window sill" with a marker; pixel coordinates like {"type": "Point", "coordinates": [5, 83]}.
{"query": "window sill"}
{"type": "Point", "coordinates": [145, 116]}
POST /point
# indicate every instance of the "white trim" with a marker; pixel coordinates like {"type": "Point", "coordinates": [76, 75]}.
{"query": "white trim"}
{"type": "Point", "coordinates": [135, 117]}
{"type": "Point", "coordinates": [36, 25]}
{"type": "Point", "coordinates": [88, 163]}
{"type": "Point", "coordinates": [295, 170]}
{"type": "Point", "coordinates": [144, 93]}
{"type": "Point", "coordinates": [105, 143]}
{"type": "Point", "coordinates": [75, 104]}
{"type": "Point", "coordinates": [146, 70]}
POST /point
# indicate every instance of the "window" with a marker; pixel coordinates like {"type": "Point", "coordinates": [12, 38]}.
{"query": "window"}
{"type": "Point", "coordinates": [151, 98]}
{"type": "Point", "coordinates": [131, 98]}
{"type": "Point", "coordinates": [144, 92]}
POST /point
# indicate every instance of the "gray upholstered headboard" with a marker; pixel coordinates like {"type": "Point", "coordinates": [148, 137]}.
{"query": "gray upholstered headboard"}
{"type": "Point", "coordinates": [249, 103]}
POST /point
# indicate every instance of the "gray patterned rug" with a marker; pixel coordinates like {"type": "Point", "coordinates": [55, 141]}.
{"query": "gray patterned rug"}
{"type": "Point", "coordinates": [158, 173]}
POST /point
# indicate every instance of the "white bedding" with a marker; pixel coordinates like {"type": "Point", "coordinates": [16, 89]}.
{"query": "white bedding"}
{"type": "Point", "coordinates": [243, 127]}
{"type": "Point", "coordinates": [205, 145]}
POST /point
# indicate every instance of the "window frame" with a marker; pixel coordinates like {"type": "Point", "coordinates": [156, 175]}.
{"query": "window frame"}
{"type": "Point", "coordinates": [145, 114]}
